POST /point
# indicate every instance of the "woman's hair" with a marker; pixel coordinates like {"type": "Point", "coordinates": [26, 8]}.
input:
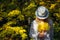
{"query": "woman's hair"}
{"type": "Point", "coordinates": [45, 20]}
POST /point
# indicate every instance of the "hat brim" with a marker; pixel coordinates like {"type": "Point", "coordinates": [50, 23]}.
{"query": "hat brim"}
{"type": "Point", "coordinates": [42, 17]}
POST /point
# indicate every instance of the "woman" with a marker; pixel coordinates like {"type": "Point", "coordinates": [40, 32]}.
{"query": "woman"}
{"type": "Point", "coordinates": [45, 30]}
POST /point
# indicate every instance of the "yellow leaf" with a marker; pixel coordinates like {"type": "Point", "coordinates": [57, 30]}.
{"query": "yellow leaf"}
{"type": "Point", "coordinates": [21, 17]}
{"type": "Point", "coordinates": [24, 36]}
{"type": "Point", "coordinates": [52, 6]}
{"type": "Point", "coordinates": [13, 12]}
{"type": "Point", "coordinates": [58, 0]}
{"type": "Point", "coordinates": [58, 15]}
{"type": "Point", "coordinates": [31, 5]}
{"type": "Point", "coordinates": [1, 18]}
{"type": "Point", "coordinates": [42, 3]}
{"type": "Point", "coordinates": [22, 31]}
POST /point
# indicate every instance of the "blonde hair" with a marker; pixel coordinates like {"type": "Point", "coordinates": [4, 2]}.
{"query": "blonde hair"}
{"type": "Point", "coordinates": [43, 25]}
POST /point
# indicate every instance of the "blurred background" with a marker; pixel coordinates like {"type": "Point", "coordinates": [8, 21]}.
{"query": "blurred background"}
{"type": "Point", "coordinates": [17, 15]}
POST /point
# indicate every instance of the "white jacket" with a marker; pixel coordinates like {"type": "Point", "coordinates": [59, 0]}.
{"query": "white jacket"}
{"type": "Point", "coordinates": [34, 33]}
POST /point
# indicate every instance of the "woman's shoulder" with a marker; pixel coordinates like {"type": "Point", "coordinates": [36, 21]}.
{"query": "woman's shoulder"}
{"type": "Point", "coordinates": [34, 22]}
{"type": "Point", "coordinates": [50, 22]}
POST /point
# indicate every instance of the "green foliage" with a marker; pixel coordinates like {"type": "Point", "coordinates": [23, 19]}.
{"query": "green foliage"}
{"type": "Point", "coordinates": [16, 14]}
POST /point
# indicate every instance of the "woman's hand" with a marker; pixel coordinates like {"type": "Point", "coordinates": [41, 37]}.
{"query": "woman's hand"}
{"type": "Point", "coordinates": [41, 34]}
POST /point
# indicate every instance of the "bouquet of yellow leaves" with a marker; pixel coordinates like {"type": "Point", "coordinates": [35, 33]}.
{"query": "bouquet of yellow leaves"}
{"type": "Point", "coordinates": [43, 26]}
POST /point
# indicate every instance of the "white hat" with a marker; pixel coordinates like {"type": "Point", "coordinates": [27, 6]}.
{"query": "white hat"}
{"type": "Point", "coordinates": [42, 12]}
